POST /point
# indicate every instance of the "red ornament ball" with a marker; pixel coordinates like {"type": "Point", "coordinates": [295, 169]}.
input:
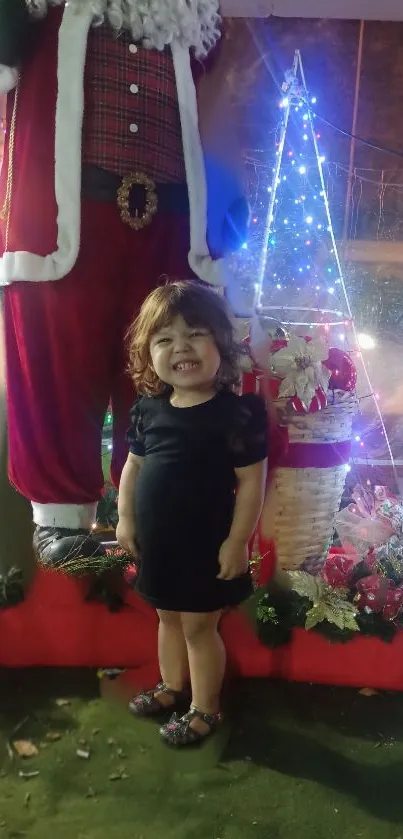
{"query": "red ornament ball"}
{"type": "Point", "coordinates": [344, 373]}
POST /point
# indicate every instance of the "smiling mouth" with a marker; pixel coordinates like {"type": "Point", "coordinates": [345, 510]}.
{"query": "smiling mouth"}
{"type": "Point", "coordinates": [185, 366]}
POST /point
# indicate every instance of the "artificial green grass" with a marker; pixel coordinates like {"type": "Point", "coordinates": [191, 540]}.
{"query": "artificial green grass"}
{"type": "Point", "coordinates": [294, 761]}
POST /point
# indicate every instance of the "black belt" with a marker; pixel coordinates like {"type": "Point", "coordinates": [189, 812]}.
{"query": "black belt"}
{"type": "Point", "coordinates": [138, 197]}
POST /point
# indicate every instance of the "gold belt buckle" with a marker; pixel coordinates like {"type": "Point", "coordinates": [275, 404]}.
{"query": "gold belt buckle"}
{"type": "Point", "coordinates": [123, 198]}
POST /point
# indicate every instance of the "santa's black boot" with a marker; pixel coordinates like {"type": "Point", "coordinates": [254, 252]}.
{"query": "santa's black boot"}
{"type": "Point", "coordinates": [56, 546]}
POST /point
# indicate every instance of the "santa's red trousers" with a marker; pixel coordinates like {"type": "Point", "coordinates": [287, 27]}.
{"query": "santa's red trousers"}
{"type": "Point", "coordinates": [65, 353]}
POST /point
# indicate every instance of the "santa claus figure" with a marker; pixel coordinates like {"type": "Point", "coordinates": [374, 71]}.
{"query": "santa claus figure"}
{"type": "Point", "coordinates": [119, 170]}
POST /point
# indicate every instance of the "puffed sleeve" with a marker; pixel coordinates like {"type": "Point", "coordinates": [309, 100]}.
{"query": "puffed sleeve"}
{"type": "Point", "coordinates": [135, 434]}
{"type": "Point", "coordinates": [250, 431]}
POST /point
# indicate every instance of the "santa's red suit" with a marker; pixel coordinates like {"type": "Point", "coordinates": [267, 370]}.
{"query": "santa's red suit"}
{"type": "Point", "coordinates": [107, 188]}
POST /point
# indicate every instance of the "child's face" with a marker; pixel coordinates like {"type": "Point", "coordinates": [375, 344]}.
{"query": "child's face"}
{"type": "Point", "coordinates": [185, 357]}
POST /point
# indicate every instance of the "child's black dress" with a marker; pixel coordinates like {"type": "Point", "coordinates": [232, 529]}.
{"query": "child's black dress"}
{"type": "Point", "coordinates": [185, 495]}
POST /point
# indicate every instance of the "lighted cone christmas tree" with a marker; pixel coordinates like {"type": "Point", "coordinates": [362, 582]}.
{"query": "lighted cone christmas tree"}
{"type": "Point", "coordinates": [310, 360]}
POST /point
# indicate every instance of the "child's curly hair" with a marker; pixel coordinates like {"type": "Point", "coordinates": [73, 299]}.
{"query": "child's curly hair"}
{"type": "Point", "coordinates": [200, 306]}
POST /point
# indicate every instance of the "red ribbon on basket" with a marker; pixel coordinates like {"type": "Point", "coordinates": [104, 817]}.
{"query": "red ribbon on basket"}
{"type": "Point", "coordinates": [316, 456]}
{"type": "Point", "coordinates": [281, 451]}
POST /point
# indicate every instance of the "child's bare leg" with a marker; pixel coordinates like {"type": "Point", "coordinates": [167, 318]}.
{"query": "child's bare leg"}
{"type": "Point", "coordinates": [206, 654]}
{"type": "Point", "coordinates": [172, 655]}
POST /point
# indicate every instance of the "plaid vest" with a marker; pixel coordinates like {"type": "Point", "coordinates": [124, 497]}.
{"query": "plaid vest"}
{"type": "Point", "coordinates": [131, 114]}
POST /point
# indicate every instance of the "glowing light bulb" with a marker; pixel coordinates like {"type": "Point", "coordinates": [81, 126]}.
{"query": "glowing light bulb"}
{"type": "Point", "coordinates": [366, 342]}
{"type": "Point", "coordinates": [302, 170]}
{"type": "Point", "coordinates": [309, 219]}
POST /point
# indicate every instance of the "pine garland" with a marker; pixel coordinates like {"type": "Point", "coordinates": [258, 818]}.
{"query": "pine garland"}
{"type": "Point", "coordinates": [113, 559]}
{"type": "Point", "coordinates": [276, 611]}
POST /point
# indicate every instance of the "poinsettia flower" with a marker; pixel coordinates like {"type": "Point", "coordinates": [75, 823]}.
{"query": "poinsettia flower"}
{"type": "Point", "coordinates": [300, 366]}
{"type": "Point", "coordinates": [299, 354]}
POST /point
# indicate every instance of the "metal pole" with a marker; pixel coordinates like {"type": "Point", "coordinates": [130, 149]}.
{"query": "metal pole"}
{"type": "Point", "coordinates": [353, 140]}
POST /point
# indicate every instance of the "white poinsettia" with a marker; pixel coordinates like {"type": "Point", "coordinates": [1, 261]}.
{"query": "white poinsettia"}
{"type": "Point", "coordinates": [300, 366]}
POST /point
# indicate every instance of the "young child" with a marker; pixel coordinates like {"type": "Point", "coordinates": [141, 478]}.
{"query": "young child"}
{"type": "Point", "coordinates": [191, 494]}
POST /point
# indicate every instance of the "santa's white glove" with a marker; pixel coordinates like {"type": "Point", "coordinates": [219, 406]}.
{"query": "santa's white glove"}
{"type": "Point", "coordinates": [8, 78]}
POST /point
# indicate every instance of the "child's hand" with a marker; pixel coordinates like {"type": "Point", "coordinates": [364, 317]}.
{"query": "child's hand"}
{"type": "Point", "coordinates": [233, 559]}
{"type": "Point", "coordinates": [126, 535]}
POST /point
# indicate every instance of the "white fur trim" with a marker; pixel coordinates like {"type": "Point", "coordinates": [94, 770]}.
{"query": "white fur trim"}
{"type": "Point", "coordinates": [8, 78]}
{"type": "Point", "coordinates": [192, 147]}
{"type": "Point", "coordinates": [213, 271]}
{"type": "Point", "coordinates": [20, 265]}
{"type": "Point", "coordinates": [72, 516]}
{"type": "Point", "coordinates": [207, 269]}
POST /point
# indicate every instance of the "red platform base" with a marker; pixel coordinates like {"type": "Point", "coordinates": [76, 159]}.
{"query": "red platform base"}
{"type": "Point", "coordinates": [55, 628]}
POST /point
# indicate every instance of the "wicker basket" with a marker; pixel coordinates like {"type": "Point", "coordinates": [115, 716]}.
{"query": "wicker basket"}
{"type": "Point", "coordinates": [303, 502]}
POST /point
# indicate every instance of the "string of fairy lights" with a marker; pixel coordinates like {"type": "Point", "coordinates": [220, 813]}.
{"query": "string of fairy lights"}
{"type": "Point", "coordinates": [298, 270]}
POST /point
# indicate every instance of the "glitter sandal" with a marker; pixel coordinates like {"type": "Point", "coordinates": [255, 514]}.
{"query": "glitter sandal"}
{"type": "Point", "coordinates": [178, 732]}
{"type": "Point", "coordinates": [147, 705]}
